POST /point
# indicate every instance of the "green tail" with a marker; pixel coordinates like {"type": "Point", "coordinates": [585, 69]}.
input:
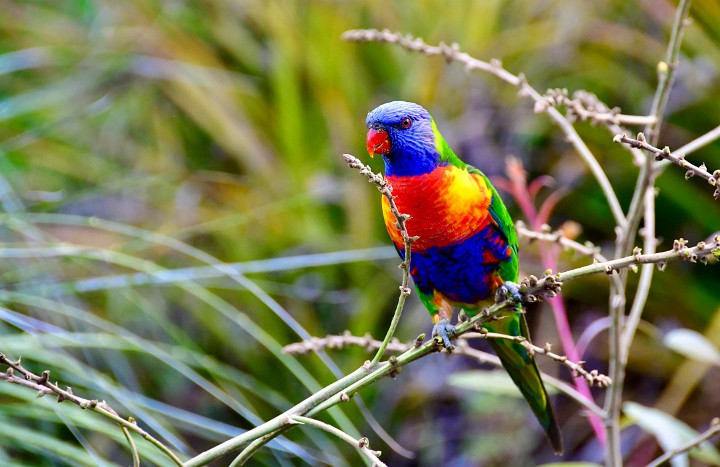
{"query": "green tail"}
{"type": "Point", "coordinates": [523, 370]}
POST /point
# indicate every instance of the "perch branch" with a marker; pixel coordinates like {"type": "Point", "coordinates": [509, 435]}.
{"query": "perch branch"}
{"type": "Point", "coordinates": [346, 339]}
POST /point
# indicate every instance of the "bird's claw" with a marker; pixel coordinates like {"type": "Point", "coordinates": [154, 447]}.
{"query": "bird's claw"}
{"type": "Point", "coordinates": [509, 290]}
{"type": "Point", "coordinates": [444, 330]}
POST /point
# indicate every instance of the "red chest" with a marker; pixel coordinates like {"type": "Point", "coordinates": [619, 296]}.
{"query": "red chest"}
{"type": "Point", "coordinates": [445, 206]}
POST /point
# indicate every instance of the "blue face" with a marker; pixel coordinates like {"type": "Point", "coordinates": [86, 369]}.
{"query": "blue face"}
{"type": "Point", "coordinates": [412, 142]}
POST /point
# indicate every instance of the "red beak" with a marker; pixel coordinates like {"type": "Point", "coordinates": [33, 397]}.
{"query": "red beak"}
{"type": "Point", "coordinates": [378, 142]}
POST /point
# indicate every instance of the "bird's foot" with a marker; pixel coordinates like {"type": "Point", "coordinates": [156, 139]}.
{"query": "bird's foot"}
{"type": "Point", "coordinates": [444, 330]}
{"type": "Point", "coordinates": [509, 290]}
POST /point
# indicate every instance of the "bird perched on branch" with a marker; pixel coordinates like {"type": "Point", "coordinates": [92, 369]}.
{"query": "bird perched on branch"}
{"type": "Point", "coordinates": [467, 248]}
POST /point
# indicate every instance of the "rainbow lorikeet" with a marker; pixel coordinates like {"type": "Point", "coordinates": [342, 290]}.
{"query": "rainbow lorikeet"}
{"type": "Point", "coordinates": [467, 247]}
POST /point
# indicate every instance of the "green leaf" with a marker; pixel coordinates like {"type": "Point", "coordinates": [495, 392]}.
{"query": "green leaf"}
{"type": "Point", "coordinates": [670, 433]}
{"type": "Point", "coordinates": [693, 345]}
{"type": "Point", "coordinates": [488, 381]}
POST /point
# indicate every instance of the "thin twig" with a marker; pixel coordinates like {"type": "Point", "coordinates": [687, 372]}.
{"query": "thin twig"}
{"type": "Point", "coordinates": [533, 288]}
{"type": "Point", "coordinates": [594, 378]}
{"type": "Point", "coordinates": [698, 440]}
{"type": "Point", "coordinates": [691, 169]}
{"type": "Point", "coordinates": [43, 386]}
{"type": "Point", "coordinates": [494, 67]}
{"type": "Point", "coordinates": [548, 235]}
{"type": "Point", "coordinates": [666, 70]}
{"type": "Point", "coordinates": [361, 444]}
{"type": "Point", "coordinates": [586, 106]}
{"type": "Point", "coordinates": [693, 145]}
{"type": "Point", "coordinates": [462, 348]}
{"type": "Point", "coordinates": [386, 189]}
{"type": "Point", "coordinates": [133, 448]}
{"type": "Point", "coordinates": [253, 447]}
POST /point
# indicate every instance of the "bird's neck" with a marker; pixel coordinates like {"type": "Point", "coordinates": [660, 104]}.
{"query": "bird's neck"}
{"type": "Point", "coordinates": [406, 163]}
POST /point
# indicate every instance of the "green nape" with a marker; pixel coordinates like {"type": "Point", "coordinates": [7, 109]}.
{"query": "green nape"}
{"type": "Point", "coordinates": [446, 153]}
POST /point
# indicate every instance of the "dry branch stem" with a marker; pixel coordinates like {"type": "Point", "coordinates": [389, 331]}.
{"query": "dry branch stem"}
{"type": "Point", "coordinates": [593, 377]}
{"type": "Point", "coordinates": [483, 357]}
{"type": "Point", "coordinates": [133, 448]}
{"type": "Point", "coordinates": [665, 154]}
{"type": "Point", "coordinates": [586, 249]}
{"type": "Point", "coordinates": [680, 251]}
{"type": "Point", "coordinates": [693, 146]}
{"type": "Point", "coordinates": [361, 444]}
{"type": "Point", "coordinates": [346, 339]}
{"type": "Point", "coordinates": [494, 67]}
{"type": "Point", "coordinates": [641, 205]}
{"type": "Point", "coordinates": [43, 386]}
{"type": "Point", "coordinates": [586, 106]}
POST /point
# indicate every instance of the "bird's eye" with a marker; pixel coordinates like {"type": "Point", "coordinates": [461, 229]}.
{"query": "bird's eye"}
{"type": "Point", "coordinates": [406, 122]}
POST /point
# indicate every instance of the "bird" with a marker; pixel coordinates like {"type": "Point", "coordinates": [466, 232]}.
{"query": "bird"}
{"type": "Point", "coordinates": [466, 248]}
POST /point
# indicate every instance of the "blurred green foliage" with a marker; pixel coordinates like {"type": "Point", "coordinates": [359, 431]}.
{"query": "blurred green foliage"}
{"type": "Point", "coordinates": [176, 134]}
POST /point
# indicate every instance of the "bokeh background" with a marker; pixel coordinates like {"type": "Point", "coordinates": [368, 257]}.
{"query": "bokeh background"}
{"type": "Point", "coordinates": [139, 136]}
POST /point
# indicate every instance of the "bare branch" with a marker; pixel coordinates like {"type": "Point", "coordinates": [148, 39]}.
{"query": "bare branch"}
{"type": "Point", "coordinates": [43, 386]}
{"type": "Point", "coordinates": [692, 170]}
{"type": "Point", "coordinates": [347, 340]}
{"type": "Point", "coordinates": [593, 377]}
{"type": "Point", "coordinates": [361, 444]}
{"type": "Point", "coordinates": [548, 235]}
{"type": "Point", "coordinates": [586, 106]}
{"type": "Point", "coordinates": [696, 144]}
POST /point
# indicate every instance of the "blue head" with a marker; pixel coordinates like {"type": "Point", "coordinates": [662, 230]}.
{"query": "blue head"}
{"type": "Point", "coordinates": [402, 132]}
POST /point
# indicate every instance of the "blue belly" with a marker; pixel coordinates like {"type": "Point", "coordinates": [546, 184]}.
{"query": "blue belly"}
{"type": "Point", "coordinates": [462, 272]}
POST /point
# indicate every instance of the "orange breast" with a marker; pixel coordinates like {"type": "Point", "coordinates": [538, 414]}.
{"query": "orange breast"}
{"type": "Point", "coordinates": [445, 206]}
